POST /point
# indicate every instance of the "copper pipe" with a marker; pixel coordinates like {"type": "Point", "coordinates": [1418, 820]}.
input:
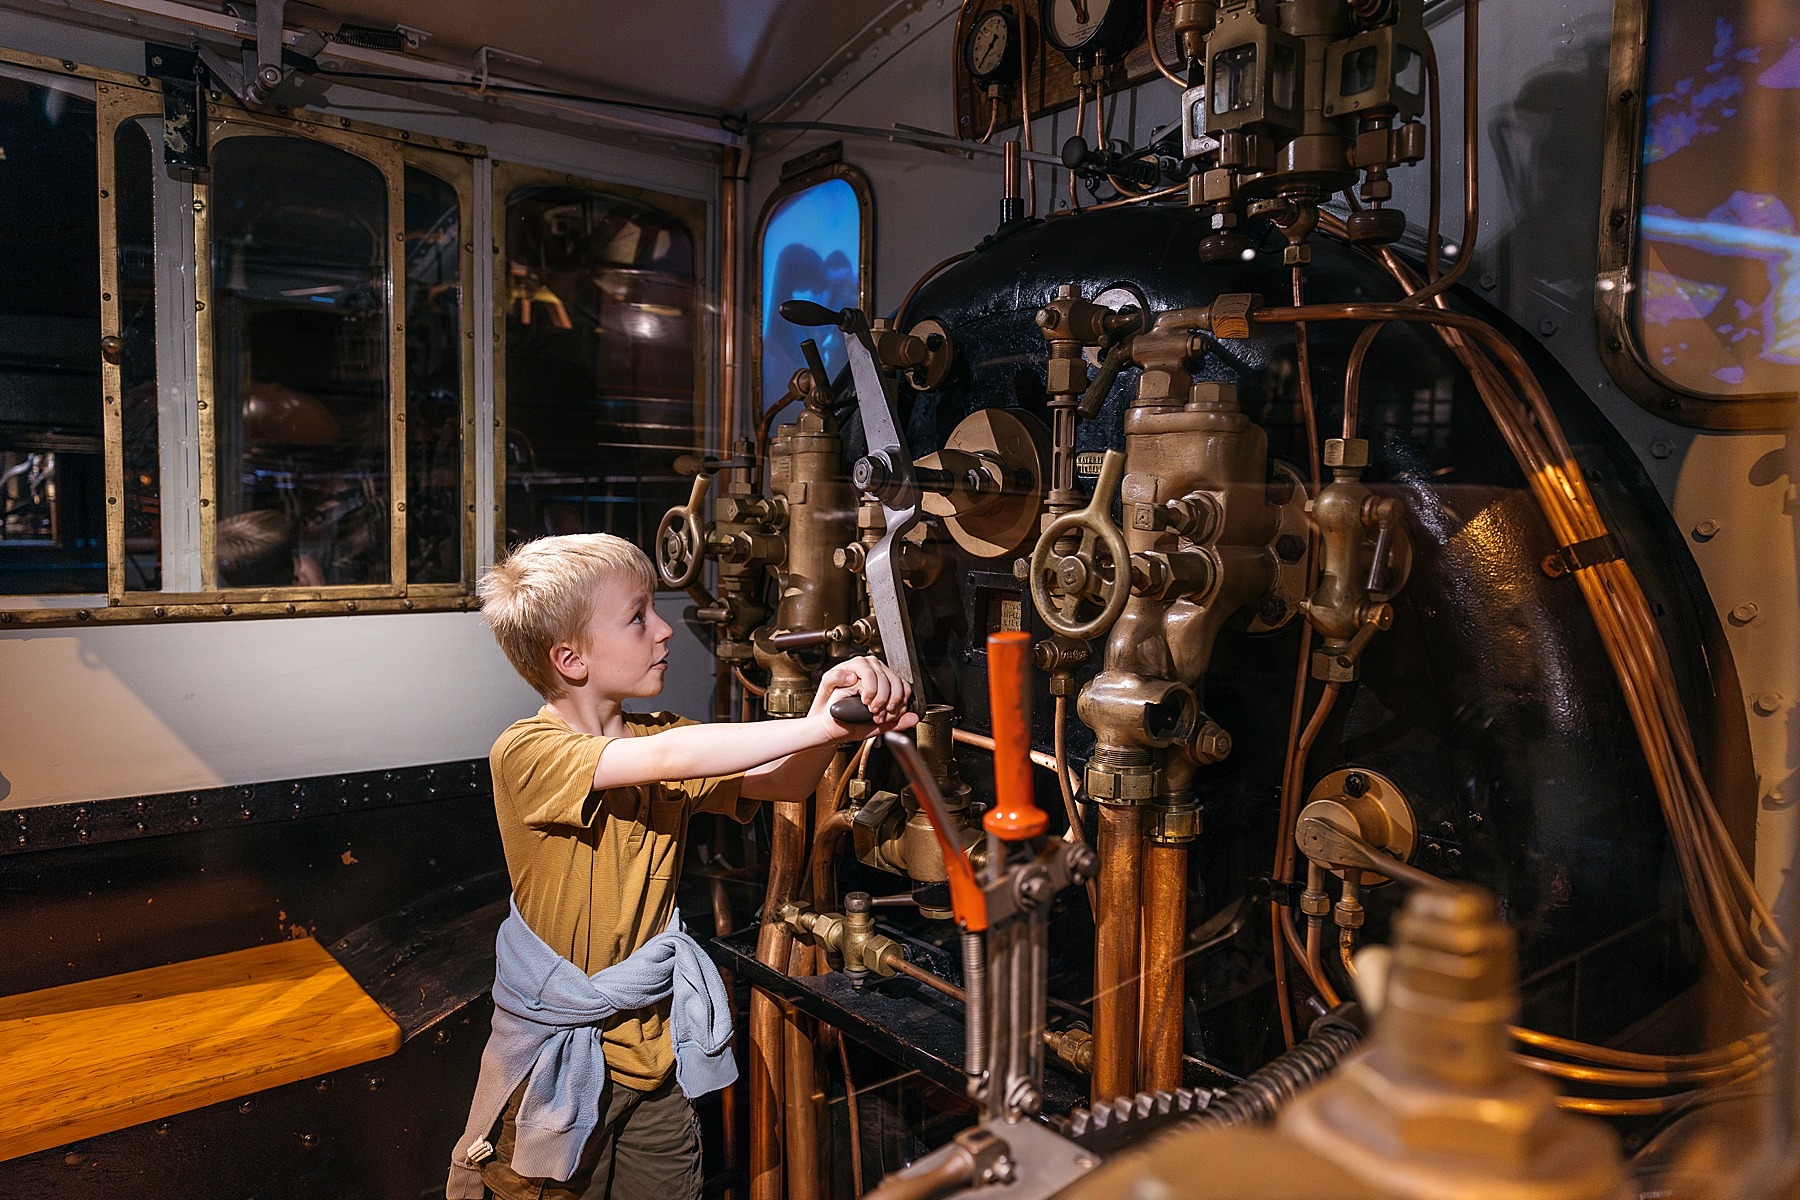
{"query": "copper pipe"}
{"type": "Point", "coordinates": [1353, 376]}
{"type": "Point", "coordinates": [1156, 57]}
{"type": "Point", "coordinates": [897, 961]}
{"type": "Point", "coordinates": [745, 682]}
{"type": "Point", "coordinates": [993, 117]}
{"type": "Point", "coordinates": [1116, 956]}
{"type": "Point", "coordinates": [856, 1175]}
{"type": "Point", "coordinates": [905, 309]}
{"type": "Point", "coordinates": [1471, 158]}
{"type": "Point", "coordinates": [1742, 1049]}
{"type": "Point", "coordinates": [731, 187]}
{"type": "Point", "coordinates": [1147, 196]}
{"type": "Point", "coordinates": [723, 923]}
{"type": "Point", "coordinates": [1165, 979]}
{"type": "Point", "coordinates": [1347, 953]}
{"type": "Point", "coordinates": [1615, 1077]}
{"type": "Point", "coordinates": [1025, 119]}
{"type": "Point", "coordinates": [1065, 785]}
{"type": "Point", "coordinates": [1315, 964]}
{"type": "Point", "coordinates": [787, 850]}
{"type": "Point", "coordinates": [1625, 1108]}
{"type": "Point", "coordinates": [799, 1098]}
{"type": "Point", "coordinates": [1309, 416]}
{"type": "Point", "coordinates": [982, 741]}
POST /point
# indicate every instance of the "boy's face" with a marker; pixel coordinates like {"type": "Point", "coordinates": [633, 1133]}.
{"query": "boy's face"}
{"type": "Point", "coordinates": [624, 646]}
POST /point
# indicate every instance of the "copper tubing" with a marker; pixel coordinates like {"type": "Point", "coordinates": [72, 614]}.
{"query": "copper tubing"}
{"type": "Point", "coordinates": [723, 924]}
{"type": "Point", "coordinates": [1025, 123]}
{"type": "Point", "coordinates": [1471, 158]}
{"type": "Point", "coordinates": [993, 120]}
{"type": "Point", "coordinates": [983, 742]}
{"type": "Point", "coordinates": [745, 682]}
{"type": "Point", "coordinates": [1116, 948]}
{"type": "Point", "coordinates": [905, 310]}
{"type": "Point", "coordinates": [731, 186]}
{"type": "Point", "coordinates": [1165, 938]}
{"type": "Point", "coordinates": [1308, 415]}
{"type": "Point", "coordinates": [788, 843]}
{"type": "Point", "coordinates": [1150, 7]}
{"type": "Point", "coordinates": [799, 1093]}
{"type": "Point", "coordinates": [856, 1175]}
{"type": "Point", "coordinates": [1315, 965]}
{"type": "Point", "coordinates": [1065, 785]}
{"type": "Point", "coordinates": [897, 962]}
{"type": "Point", "coordinates": [1353, 375]}
{"type": "Point", "coordinates": [1738, 1050]}
{"type": "Point", "coordinates": [1347, 953]}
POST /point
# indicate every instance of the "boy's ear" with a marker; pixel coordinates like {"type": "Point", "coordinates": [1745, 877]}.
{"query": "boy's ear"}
{"type": "Point", "coordinates": [569, 663]}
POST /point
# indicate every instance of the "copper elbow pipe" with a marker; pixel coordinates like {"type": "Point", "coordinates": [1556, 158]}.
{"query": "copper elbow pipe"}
{"type": "Point", "coordinates": [1116, 952]}
{"type": "Point", "coordinates": [1165, 933]}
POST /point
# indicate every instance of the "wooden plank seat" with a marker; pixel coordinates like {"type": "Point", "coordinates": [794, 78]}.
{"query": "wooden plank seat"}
{"type": "Point", "coordinates": [88, 1058]}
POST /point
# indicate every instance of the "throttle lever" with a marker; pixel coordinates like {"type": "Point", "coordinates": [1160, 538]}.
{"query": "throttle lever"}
{"type": "Point", "coordinates": [808, 312]}
{"type": "Point", "coordinates": [850, 710]}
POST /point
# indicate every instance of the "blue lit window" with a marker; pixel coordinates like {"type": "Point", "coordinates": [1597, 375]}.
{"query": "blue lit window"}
{"type": "Point", "coordinates": [813, 247]}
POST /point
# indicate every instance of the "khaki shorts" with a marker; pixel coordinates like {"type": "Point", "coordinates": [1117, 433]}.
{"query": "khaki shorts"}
{"type": "Point", "coordinates": [648, 1148]}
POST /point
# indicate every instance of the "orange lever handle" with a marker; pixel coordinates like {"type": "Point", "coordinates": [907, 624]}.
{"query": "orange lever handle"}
{"type": "Point", "coordinates": [1015, 816]}
{"type": "Point", "coordinates": [967, 901]}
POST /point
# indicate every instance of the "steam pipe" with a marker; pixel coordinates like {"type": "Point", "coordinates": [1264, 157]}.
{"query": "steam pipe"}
{"type": "Point", "coordinates": [1121, 849]}
{"type": "Point", "coordinates": [1165, 937]}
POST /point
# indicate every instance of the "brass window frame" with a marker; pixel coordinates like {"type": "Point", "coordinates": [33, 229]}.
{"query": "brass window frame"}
{"type": "Point", "coordinates": [865, 275]}
{"type": "Point", "coordinates": [1621, 197]}
{"type": "Point", "coordinates": [120, 97]}
{"type": "Point", "coordinates": [693, 211]}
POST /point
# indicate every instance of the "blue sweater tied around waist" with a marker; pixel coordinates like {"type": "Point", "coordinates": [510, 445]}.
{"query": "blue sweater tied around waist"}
{"type": "Point", "coordinates": [547, 1015]}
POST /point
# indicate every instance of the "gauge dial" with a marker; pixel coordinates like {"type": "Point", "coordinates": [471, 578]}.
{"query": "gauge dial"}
{"type": "Point", "coordinates": [1083, 27]}
{"type": "Point", "coordinates": [991, 51]}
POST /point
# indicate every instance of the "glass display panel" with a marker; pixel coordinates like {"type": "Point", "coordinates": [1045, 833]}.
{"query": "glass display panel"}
{"type": "Point", "coordinates": [52, 470]}
{"type": "Point", "coordinates": [434, 350]}
{"type": "Point", "coordinates": [601, 395]}
{"type": "Point", "coordinates": [300, 364]}
{"type": "Point", "coordinates": [1717, 273]}
{"type": "Point", "coordinates": [811, 250]}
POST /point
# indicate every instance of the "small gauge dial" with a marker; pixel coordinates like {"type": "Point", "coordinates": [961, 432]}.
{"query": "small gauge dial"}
{"type": "Point", "coordinates": [991, 51]}
{"type": "Point", "coordinates": [1086, 27]}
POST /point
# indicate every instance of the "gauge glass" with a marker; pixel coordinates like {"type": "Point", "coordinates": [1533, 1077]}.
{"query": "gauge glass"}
{"type": "Point", "coordinates": [988, 43]}
{"type": "Point", "coordinates": [1074, 23]}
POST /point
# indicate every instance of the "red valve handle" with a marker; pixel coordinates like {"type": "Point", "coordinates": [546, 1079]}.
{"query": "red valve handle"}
{"type": "Point", "coordinates": [1015, 816]}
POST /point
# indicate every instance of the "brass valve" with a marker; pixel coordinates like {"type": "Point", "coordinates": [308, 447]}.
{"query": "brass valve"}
{"type": "Point", "coordinates": [1061, 581]}
{"type": "Point", "coordinates": [681, 538]}
{"type": "Point", "coordinates": [851, 937]}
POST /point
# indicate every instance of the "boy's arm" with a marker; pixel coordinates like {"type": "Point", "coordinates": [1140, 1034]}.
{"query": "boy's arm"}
{"type": "Point", "coordinates": [794, 776]}
{"type": "Point", "coordinates": [699, 751]}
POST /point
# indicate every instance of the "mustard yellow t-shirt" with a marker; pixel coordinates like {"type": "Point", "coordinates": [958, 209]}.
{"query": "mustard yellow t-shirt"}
{"type": "Point", "coordinates": [594, 873]}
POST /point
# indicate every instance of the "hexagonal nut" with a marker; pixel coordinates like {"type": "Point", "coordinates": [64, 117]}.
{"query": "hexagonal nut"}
{"type": "Point", "coordinates": [1062, 684]}
{"type": "Point", "coordinates": [1066, 376]}
{"type": "Point", "coordinates": [1502, 1124]}
{"type": "Point", "coordinates": [1171, 825]}
{"type": "Point", "coordinates": [1157, 384]}
{"type": "Point", "coordinates": [1347, 452]}
{"type": "Point", "coordinates": [1211, 743]}
{"type": "Point", "coordinates": [1315, 904]}
{"type": "Point", "coordinates": [1333, 667]}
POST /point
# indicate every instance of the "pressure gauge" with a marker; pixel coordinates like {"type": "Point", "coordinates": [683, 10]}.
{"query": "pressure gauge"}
{"type": "Point", "coordinates": [1084, 28]}
{"type": "Point", "coordinates": [991, 51]}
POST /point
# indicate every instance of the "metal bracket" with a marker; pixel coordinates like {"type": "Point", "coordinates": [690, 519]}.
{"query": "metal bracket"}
{"type": "Point", "coordinates": [484, 61]}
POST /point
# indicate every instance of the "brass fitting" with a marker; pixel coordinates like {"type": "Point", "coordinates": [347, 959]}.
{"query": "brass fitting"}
{"type": "Point", "coordinates": [1120, 778]}
{"type": "Point", "coordinates": [1172, 820]}
{"type": "Point", "coordinates": [851, 937]}
{"type": "Point", "coordinates": [1074, 1048]}
{"type": "Point", "coordinates": [1436, 1106]}
{"type": "Point", "coordinates": [1368, 806]}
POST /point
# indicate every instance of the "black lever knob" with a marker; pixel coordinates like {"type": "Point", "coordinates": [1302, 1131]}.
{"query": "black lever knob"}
{"type": "Point", "coordinates": [806, 312]}
{"type": "Point", "coordinates": [850, 710]}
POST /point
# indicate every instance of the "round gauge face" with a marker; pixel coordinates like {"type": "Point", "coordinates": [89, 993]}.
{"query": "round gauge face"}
{"type": "Point", "coordinates": [990, 45]}
{"type": "Point", "coordinates": [1072, 24]}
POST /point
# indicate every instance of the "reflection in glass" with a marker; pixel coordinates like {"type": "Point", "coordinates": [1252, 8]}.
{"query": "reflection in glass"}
{"type": "Point", "coordinates": [433, 380]}
{"type": "Point", "coordinates": [811, 250]}
{"type": "Point", "coordinates": [1717, 272]}
{"type": "Point", "coordinates": [52, 477]}
{"type": "Point", "coordinates": [300, 367]}
{"type": "Point", "coordinates": [601, 399]}
{"type": "Point", "coordinates": [133, 189]}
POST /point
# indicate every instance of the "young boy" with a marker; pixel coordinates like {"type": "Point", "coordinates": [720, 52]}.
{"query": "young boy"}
{"type": "Point", "coordinates": [607, 1017]}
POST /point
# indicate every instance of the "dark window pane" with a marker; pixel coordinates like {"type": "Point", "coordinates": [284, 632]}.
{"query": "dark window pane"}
{"type": "Point", "coordinates": [600, 341]}
{"type": "Point", "coordinates": [434, 446]}
{"type": "Point", "coordinates": [133, 191]}
{"type": "Point", "coordinates": [300, 367]}
{"type": "Point", "coordinates": [52, 479]}
{"type": "Point", "coordinates": [1716, 300]}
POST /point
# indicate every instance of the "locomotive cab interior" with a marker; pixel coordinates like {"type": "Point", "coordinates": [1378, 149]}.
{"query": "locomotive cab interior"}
{"type": "Point", "coordinates": [1324, 467]}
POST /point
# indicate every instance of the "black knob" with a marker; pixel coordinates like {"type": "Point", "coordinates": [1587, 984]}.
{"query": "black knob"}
{"type": "Point", "coordinates": [805, 312]}
{"type": "Point", "coordinates": [850, 710]}
{"type": "Point", "coordinates": [1075, 152]}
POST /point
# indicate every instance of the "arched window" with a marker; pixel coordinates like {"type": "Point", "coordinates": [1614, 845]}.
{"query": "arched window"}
{"type": "Point", "coordinates": [813, 243]}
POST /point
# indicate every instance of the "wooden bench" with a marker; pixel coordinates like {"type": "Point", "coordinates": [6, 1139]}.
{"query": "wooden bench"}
{"type": "Point", "coordinates": [88, 1058]}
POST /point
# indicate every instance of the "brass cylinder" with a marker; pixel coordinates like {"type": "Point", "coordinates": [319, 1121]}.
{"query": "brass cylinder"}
{"type": "Point", "coordinates": [805, 471]}
{"type": "Point", "coordinates": [1165, 928]}
{"type": "Point", "coordinates": [1014, 161]}
{"type": "Point", "coordinates": [1121, 849]}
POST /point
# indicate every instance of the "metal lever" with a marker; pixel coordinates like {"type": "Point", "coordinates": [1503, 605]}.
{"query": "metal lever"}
{"type": "Point", "coordinates": [1327, 845]}
{"type": "Point", "coordinates": [1015, 816]}
{"type": "Point", "coordinates": [850, 710]}
{"type": "Point", "coordinates": [806, 312]}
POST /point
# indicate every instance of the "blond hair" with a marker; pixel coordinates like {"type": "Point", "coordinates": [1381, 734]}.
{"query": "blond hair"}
{"type": "Point", "coordinates": [543, 593]}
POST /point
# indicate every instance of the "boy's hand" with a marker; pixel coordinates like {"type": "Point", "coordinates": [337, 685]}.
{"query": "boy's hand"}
{"type": "Point", "coordinates": [872, 681]}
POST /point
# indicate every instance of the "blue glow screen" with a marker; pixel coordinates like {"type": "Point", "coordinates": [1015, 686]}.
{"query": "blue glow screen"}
{"type": "Point", "coordinates": [811, 250]}
{"type": "Point", "coordinates": [1718, 267]}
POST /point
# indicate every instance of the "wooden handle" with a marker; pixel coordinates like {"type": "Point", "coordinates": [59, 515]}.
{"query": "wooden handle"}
{"type": "Point", "coordinates": [1015, 815]}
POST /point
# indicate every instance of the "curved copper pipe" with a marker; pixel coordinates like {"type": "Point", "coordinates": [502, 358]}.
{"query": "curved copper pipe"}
{"type": "Point", "coordinates": [1471, 158]}
{"type": "Point", "coordinates": [800, 1090]}
{"type": "Point", "coordinates": [1116, 952]}
{"type": "Point", "coordinates": [1315, 964]}
{"type": "Point", "coordinates": [1155, 50]}
{"type": "Point", "coordinates": [856, 1174]}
